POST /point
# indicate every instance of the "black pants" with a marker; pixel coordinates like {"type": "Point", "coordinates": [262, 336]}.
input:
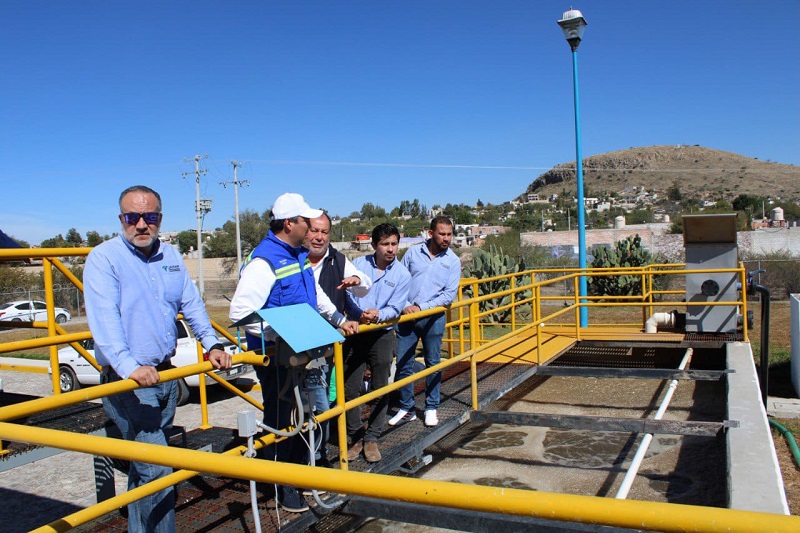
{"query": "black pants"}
{"type": "Point", "coordinates": [278, 413]}
{"type": "Point", "coordinates": [376, 349]}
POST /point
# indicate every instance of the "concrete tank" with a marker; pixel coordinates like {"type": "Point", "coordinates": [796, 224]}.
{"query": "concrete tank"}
{"type": "Point", "coordinates": [776, 214]}
{"type": "Point", "coordinates": [619, 222]}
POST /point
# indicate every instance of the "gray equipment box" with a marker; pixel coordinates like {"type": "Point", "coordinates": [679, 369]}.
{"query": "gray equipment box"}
{"type": "Point", "coordinates": [710, 243]}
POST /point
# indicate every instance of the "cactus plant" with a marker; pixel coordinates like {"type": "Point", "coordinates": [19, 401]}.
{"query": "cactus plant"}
{"type": "Point", "coordinates": [491, 263]}
{"type": "Point", "coordinates": [625, 253]}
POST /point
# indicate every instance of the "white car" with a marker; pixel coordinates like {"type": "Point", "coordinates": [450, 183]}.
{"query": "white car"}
{"type": "Point", "coordinates": [30, 311]}
{"type": "Point", "coordinates": [74, 371]}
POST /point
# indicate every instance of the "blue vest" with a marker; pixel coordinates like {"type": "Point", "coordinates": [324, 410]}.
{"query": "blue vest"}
{"type": "Point", "coordinates": [294, 277]}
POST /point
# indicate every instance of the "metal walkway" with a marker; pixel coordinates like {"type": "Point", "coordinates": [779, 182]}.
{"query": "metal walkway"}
{"type": "Point", "coordinates": [209, 503]}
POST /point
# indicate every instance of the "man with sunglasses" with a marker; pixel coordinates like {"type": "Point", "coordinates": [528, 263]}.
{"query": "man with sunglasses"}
{"type": "Point", "coordinates": [135, 286]}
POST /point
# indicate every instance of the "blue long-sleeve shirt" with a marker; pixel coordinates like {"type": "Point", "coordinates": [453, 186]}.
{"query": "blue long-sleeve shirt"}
{"type": "Point", "coordinates": [434, 280]}
{"type": "Point", "coordinates": [388, 293]}
{"type": "Point", "coordinates": [132, 303]}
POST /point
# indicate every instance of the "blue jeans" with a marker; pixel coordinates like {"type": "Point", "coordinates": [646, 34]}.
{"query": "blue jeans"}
{"type": "Point", "coordinates": [315, 388]}
{"type": "Point", "coordinates": [144, 415]}
{"type": "Point", "coordinates": [430, 330]}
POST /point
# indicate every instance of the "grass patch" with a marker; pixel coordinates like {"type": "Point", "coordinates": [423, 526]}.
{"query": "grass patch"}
{"type": "Point", "coordinates": [26, 355]}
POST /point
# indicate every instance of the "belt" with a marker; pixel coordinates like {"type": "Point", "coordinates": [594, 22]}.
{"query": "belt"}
{"type": "Point", "coordinates": [108, 370]}
{"type": "Point", "coordinates": [166, 365]}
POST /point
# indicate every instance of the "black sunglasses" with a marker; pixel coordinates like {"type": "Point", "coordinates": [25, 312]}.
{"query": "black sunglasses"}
{"type": "Point", "coordinates": [150, 219]}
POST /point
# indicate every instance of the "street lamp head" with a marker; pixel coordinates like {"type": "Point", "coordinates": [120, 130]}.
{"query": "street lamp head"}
{"type": "Point", "coordinates": [572, 24]}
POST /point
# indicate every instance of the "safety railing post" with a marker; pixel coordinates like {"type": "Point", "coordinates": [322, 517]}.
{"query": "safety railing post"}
{"type": "Point", "coordinates": [650, 288]}
{"type": "Point", "coordinates": [341, 420]}
{"type": "Point", "coordinates": [473, 344]}
{"type": "Point", "coordinates": [47, 272]}
{"type": "Point", "coordinates": [537, 301]}
{"type": "Point", "coordinates": [478, 329]}
{"type": "Point", "coordinates": [460, 320]}
{"type": "Point", "coordinates": [449, 333]}
{"type": "Point", "coordinates": [643, 283]}
{"type": "Point", "coordinates": [743, 282]}
{"type": "Point", "coordinates": [202, 389]}
{"type": "Point", "coordinates": [513, 303]}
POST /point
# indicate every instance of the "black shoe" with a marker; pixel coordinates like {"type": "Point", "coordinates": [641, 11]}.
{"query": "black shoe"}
{"type": "Point", "coordinates": [291, 500]}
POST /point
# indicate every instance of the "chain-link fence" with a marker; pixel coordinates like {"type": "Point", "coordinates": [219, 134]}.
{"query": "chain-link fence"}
{"type": "Point", "coordinates": [781, 277]}
{"type": "Point", "coordinates": [67, 296]}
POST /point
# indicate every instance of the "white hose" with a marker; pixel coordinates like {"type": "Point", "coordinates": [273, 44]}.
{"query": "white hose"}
{"type": "Point", "coordinates": [300, 422]}
{"type": "Point", "coordinates": [251, 452]}
{"type": "Point", "coordinates": [311, 430]}
{"type": "Point", "coordinates": [658, 319]}
{"type": "Point", "coordinates": [633, 469]}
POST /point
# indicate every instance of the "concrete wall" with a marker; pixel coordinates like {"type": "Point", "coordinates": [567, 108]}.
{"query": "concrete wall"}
{"type": "Point", "coordinates": [766, 240]}
{"type": "Point", "coordinates": [654, 238]}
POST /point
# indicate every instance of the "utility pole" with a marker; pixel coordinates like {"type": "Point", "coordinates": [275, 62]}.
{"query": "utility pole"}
{"type": "Point", "coordinates": [200, 208]}
{"type": "Point", "coordinates": [236, 183]}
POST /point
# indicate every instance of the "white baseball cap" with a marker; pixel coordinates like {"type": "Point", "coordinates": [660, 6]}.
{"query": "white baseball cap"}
{"type": "Point", "coordinates": [290, 205]}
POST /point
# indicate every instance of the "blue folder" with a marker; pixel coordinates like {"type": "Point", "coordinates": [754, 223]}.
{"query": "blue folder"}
{"type": "Point", "coordinates": [301, 326]}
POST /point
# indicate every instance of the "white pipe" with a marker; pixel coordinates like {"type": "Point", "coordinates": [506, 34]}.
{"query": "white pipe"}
{"type": "Point", "coordinates": [251, 452]}
{"type": "Point", "coordinates": [659, 319]}
{"type": "Point", "coordinates": [311, 450]}
{"type": "Point", "coordinates": [633, 469]}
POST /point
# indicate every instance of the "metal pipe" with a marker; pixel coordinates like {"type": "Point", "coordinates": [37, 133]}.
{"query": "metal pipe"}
{"type": "Point", "coordinates": [763, 370]}
{"type": "Point", "coordinates": [633, 469]}
{"type": "Point", "coordinates": [561, 507]}
{"type": "Point", "coordinates": [19, 410]}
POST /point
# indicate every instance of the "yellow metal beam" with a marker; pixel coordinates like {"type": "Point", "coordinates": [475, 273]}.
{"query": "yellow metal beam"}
{"type": "Point", "coordinates": [561, 507]}
{"type": "Point", "coordinates": [14, 411]}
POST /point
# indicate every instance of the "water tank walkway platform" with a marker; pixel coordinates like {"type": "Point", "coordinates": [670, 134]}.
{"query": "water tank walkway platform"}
{"type": "Point", "coordinates": [571, 425]}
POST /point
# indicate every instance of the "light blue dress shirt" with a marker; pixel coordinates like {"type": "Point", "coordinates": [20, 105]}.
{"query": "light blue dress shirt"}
{"type": "Point", "coordinates": [132, 303]}
{"type": "Point", "coordinates": [389, 290]}
{"type": "Point", "coordinates": [434, 280]}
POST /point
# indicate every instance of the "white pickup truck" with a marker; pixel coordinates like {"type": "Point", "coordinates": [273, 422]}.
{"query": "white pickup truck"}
{"type": "Point", "coordinates": [74, 371]}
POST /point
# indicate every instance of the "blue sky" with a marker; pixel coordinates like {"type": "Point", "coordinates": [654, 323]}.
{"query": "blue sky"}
{"type": "Point", "coordinates": [349, 102]}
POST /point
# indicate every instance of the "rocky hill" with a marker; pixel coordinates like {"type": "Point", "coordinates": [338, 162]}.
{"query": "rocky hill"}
{"type": "Point", "coordinates": [702, 173]}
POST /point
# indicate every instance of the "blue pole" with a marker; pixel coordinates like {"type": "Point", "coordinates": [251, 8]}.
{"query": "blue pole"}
{"type": "Point", "coordinates": [584, 312]}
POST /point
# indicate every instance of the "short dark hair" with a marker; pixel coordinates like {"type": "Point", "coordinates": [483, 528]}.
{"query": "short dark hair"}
{"type": "Point", "coordinates": [276, 224]}
{"type": "Point", "coordinates": [440, 220]}
{"type": "Point", "coordinates": [139, 188]}
{"type": "Point", "coordinates": [384, 230]}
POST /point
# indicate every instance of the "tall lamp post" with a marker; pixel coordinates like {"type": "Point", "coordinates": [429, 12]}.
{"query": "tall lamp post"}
{"type": "Point", "coordinates": [572, 23]}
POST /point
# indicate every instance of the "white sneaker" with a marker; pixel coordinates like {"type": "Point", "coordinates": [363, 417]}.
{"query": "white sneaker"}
{"type": "Point", "coordinates": [401, 417]}
{"type": "Point", "coordinates": [431, 419]}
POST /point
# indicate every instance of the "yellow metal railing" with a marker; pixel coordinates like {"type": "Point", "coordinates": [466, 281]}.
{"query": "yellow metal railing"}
{"type": "Point", "coordinates": [465, 338]}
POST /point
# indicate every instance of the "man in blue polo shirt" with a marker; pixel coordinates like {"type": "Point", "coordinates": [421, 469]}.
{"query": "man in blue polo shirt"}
{"type": "Point", "coordinates": [135, 286]}
{"type": "Point", "coordinates": [435, 274]}
{"type": "Point", "coordinates": [384, 302]}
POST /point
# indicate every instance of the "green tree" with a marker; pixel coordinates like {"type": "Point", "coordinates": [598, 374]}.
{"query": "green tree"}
{"type": "Point", "coordinates": [74, 238]}
{"type": "Point", "coordinates": [187, 241]}
{"type": "Point", "coordinates": [55, 242]}
{"type": "Point", "coordinates": [674, 193]}
{"type": "Point", "coordinates": [93, 238]}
